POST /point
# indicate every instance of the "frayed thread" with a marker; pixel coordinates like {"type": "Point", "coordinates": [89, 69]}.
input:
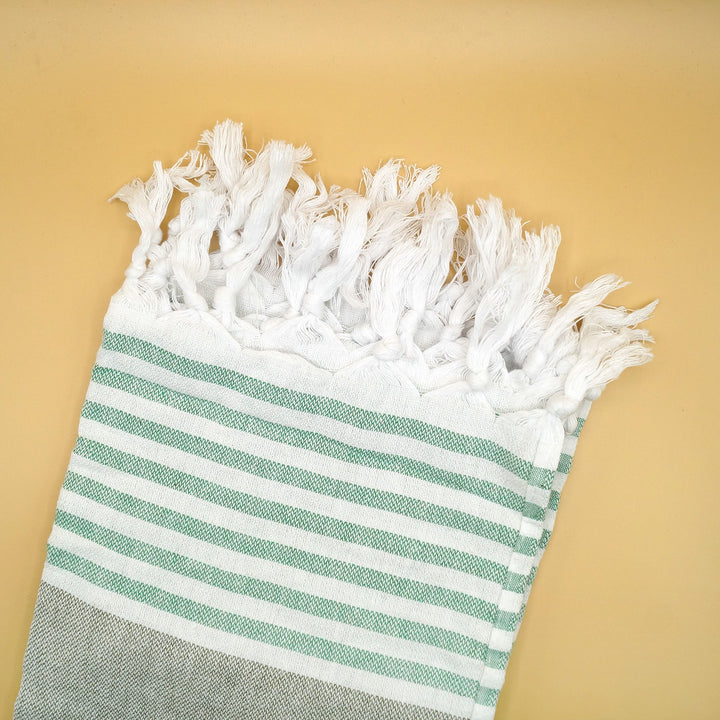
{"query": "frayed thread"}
{"type": "Point", "coordinates": [386, 280]}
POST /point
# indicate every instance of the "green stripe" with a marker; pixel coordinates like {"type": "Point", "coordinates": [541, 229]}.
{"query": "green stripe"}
{"type": "Point", "coordinates": [283, 554]}
{"type": "Point", "coordinates": [545, 538]}
{"type": "Point", "coordinates": [534, 512]}
{"type": "Point", "coordinates": [276, 635]}
{"type": "Point", "coordinates": [315, 442]}
{"type": "Point", "coordinates": [272, 592]}
{"type": "Point", "coordinates": [506, 621]}
{"type": "Point", "coordinates": [564, 463]}
{"type": "Point", "coordinates": [317, 523]}
{"type": "Point", "coordinates": [554, 501]}
{"type": "Point", "coordinates": [497, 659]}
{"type": "Point", "coordinates": [329, 407]}
{"type": "Point", "coordinates": [579, 427]}
{"type": "Point", "coordinates": [516, 583]}
{"type": "Point", "coordinates": [487, 696]}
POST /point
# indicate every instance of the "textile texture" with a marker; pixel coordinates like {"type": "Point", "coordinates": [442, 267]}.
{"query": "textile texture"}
{"type": "Point", "coordinates": [278, 507]}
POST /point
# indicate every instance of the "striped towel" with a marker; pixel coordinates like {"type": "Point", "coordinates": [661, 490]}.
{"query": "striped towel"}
{"type": "Point", "coordinates": [321, 450]}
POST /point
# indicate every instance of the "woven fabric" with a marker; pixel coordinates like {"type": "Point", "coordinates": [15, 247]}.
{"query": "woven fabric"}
{"type": "Point", "coordinates": [245, 532]}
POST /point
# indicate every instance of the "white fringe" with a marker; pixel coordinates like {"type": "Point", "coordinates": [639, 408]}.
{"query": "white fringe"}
{"type": "Point", "coordinates": [388, 281]}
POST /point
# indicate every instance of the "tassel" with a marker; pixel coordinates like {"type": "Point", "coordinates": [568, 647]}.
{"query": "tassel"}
{"type": "Point", "coordinates": [387, 281]}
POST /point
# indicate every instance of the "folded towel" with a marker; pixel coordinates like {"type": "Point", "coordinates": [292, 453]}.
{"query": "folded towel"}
{"type": "Point", "coordinates": [321, 451]}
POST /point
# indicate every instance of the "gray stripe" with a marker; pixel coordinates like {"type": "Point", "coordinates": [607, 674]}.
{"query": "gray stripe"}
{"type": "Point", "coordinates": [85, 664]}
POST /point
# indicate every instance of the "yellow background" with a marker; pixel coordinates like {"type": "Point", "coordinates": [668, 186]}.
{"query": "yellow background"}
{"type": "Point", "coordinates": [599, 117]}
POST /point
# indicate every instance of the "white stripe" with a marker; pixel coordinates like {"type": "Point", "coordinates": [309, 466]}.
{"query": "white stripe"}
{"type": "Point", "coordinates": [550, 438]}
{"type": "Point", "coordinates": [289, 494]}
{"type": "Point", "coordinates": [483, 712]}
{"type": "Point", "coordinates": [200, 336]}
{"type": "Point", "coordinates": [263, 611]}
{"type": "Point", "coordinates": [501, 640]}
{"type": "Point", "coordinates": [259, 527]}
{"type": "Point", "coordinates": [356, 437]}
{"type": "Point", "coordinates": [457, 462]}
{"type": "Point", "coordinates": [537, 496]}
{"type": "Point", "coordinates": [269, 571]}
{"type": "Point", "coordinates": [570, 444]}
{"type": "Point", "coordinates": [238, 646]}
{"type": "Point", "coordinates": [492, 678]}
{"type": "Point", "coordinates": [508, 601]}
{"type": "Point", "coordinates": [521, 564]}
{"type": "Point", "coordinates": [549, 520]}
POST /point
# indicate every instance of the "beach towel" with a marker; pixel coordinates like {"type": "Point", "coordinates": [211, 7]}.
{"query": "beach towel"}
{"type": "Point", "coordinates": [321, 452]}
